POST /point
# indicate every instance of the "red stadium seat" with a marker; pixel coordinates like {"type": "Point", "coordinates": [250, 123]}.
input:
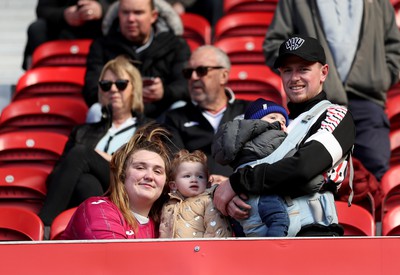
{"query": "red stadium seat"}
{"type": "Point", "coordinates": [61, 53]}
{"type": "Point", "coordinates": [394, 147]}
{"type": "Point", "coordinates": [38, 149]}
{"type": "Point", "coordinates": [393, 111]}
{"type": "Point", "coordinates": [393, 91]}
{"type": "Point", "coordinates": [243, 24]}
{"type": "Point", "coordinates": [250, 82]}
{"type": "Point", "coordinates": [51, 81]}
{"type": "Point", "coordinates": [196, 28]}
{"type": "Point", "coordinates": [23, 187]}
{"type": "Point", "coordinates": [193, 45]}
{"type": "Point", "coordinates": [231, 6]}
{"type": "Point", "coordinates": [396, 6]}
{"type": "Point", "coordinates": [391, 222]}
{"type": "Point", "coordinates": [355, 219]}
{"type": "Point", "coordinates": [60, 223]}
{"type": "Point", "coordinates": [390, 185]}
{"type": "Point", "coordinates": [57, 114]}
{"type": "Point", "coordinates": [18, 224]}
{"type": "Point", "coordinates": [243, 50]}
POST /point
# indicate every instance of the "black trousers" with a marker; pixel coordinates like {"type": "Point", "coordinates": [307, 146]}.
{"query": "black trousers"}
{"type": "Point", "coordinates": [372, 145]}
{"type": "Point", "coordinates": [40, 32]}
{"type": "Point", "coordinates": [83, 173]}
{"type": "Point", "coordinates": [212, 10]}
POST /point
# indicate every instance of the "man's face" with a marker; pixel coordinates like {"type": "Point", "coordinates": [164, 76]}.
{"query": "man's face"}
{"type": "Point", "coordinates": [135, 19]}
{"type": "Point", "coordinates": [206, 89]}
{"type": "Point", "coordinates": [302, 80]}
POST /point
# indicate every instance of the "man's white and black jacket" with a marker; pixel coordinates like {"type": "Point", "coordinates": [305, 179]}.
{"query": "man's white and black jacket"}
{"type": "Point", "coordinates": [289, 176]}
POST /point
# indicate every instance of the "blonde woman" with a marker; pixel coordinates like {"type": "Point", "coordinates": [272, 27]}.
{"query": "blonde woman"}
{"type": "Point", "coordinates": [83, 169]}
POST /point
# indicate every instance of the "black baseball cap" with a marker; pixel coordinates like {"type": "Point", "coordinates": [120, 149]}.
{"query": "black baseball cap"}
{"type": "Point", "coordinates": [305, 47]}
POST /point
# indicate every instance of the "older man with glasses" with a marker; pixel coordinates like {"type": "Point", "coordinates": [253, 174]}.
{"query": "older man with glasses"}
{"type": "Point", "coordinates": [212, 104]}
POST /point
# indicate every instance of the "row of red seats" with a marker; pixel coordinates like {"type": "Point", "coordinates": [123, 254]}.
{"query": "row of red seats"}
{"type": "Point", "coordinates": [24, 225]}
{"type": "Point", "coordinates": [19, 224]}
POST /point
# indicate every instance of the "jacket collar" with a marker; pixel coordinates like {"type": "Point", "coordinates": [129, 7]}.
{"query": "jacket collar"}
{"type": "Point", "coordinates": [296, 109]}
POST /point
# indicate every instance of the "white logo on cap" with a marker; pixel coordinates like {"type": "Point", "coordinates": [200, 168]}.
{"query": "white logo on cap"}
{"type": "Point", "coordinates": [294, 43]}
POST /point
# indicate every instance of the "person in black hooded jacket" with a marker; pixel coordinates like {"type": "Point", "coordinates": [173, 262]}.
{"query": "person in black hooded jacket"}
{"type": "Point", "coordinates": [157, 51]}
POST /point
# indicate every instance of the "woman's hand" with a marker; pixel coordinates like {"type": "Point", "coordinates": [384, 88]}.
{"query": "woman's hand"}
{"type": "Point", "coordinates": [71, 16]}
{"type": "Point", "coordinates": [89, 10]}
{"type": "Point", "coordinates": [154, 91]}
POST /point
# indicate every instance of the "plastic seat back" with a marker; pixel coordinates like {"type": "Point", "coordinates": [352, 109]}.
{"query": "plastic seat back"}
{"type": "Point", "coordinates": [391, 222]}
{"type": "Point", "coordinates": [394, 147]}
{"type": "Point", "coordinates": [51, 81]}
{"type": "Point", "coordinates": [56, 114]}
{"type": "Point", "coordinates": [60, 223]}
{"type": "Point", "coordinates": [23, 186]}
{"type": "Point", "coordinates": [193, 45]}
{"type": "Point", "coordinates": [393, 111]}
{"type": "Point", "coordinates": [390, 186]}
{"type": "Point", "coordinates": [243, 24]}
{"type": "Point", "coordinates": [232, 6]}
{"type": "Point", "coordinates": [396, 6]}
{"type": "Point", "coordinates": [38, 149]}
{"type": "Point", "coordinates": [196, 28]}
{"type": "Point", "coordinates": [18, 224]}
{"type": "Point", "coordinates": [22, 183]}
{"type": "Point", "coordinates": [250, 82]}
{"type": "Point", "coordinates": [243, 50]}
{"type": "Point", "coordinates": [356, 220]}
{"type": "Point", "coordinates": [393, 91]}
{"type": "Point", "coordinates": [61, 53]}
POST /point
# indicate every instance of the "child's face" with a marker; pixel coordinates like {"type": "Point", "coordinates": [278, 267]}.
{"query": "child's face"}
{"type": "Point", "coordinates": [191, 179]}
{"type": "Point", "coordinates": [273, 117]}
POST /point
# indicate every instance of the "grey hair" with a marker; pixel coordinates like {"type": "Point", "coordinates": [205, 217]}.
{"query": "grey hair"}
{"type": "Point", "coordinates": [221, 56]}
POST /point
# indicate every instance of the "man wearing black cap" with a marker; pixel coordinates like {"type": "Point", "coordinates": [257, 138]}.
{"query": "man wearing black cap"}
{"type": "Point", "coordinates": [362, 45]}
{"type": "Point", "coordinates": [326, 132]}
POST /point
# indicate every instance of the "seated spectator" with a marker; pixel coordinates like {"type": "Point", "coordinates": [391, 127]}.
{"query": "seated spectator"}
{"type": "Point", "coordinates": [64, 19]}
{"type": "Point", "coordinates": [83, 169]}
{"type": "Point", "coordinates": [212, 103]}
{"type": "Point", "coordinates": [131, 207]}
{"type": "Point", "coordinates": [138, 33]}
{"type": "Point", "coordinates": [190, 212]}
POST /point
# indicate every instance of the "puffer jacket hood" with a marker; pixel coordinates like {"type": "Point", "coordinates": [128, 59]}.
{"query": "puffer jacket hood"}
{"type": "Point", "coordinates": [241, 141]}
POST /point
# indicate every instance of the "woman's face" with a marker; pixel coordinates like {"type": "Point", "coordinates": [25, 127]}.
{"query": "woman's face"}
{"type": "Point", "coordinates": [145, 179]}
{"type": "Point", "coordinates": [119, 99]}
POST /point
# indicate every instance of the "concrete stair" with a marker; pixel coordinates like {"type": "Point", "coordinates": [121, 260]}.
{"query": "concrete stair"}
{"type": "Point", "coordinates": [15, 17]}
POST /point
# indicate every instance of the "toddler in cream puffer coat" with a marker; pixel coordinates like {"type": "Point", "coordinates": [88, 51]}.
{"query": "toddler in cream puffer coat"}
{"type": "Point", "coordinates": [190, 212]}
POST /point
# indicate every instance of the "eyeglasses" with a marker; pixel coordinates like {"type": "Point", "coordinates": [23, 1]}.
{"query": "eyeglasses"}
{"type": "Point", "coordinates": [105, 85]}
{"type": "Point", "coordinates": [200, 71]}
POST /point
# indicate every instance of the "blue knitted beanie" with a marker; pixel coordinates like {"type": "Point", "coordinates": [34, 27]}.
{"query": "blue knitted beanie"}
{"type": "Point", "coordinates": [261, 107]}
